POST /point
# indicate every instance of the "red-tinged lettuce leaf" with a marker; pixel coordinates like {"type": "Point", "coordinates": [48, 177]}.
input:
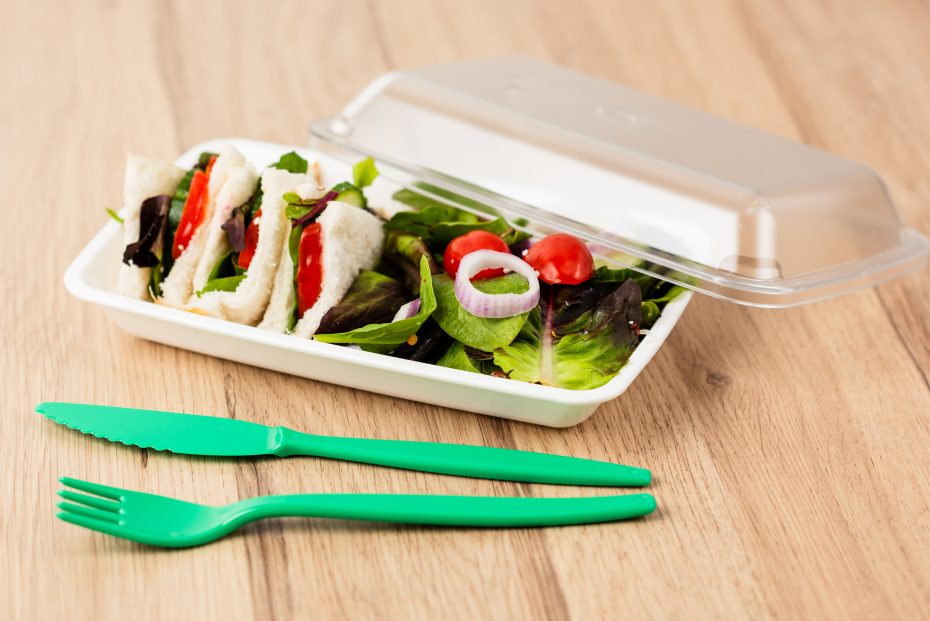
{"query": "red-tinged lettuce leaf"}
{"type": "Point", "coordinates": [385, 337]}
{"type": "Point", "coordinates": [406, 252]}
{"type": "Point", "coordinates": [235, 229]}
{"type": "Point", "coordinates": [429, 345]}
{"type": "Point", "coordinates": [372, 298]}
{"type": "Point", "coordinates": [152, 217]}
{"type": "Point", "coordinates": [586, 355]}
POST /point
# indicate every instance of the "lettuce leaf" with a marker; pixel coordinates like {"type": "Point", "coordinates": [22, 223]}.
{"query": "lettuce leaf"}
{"type": "Point", "coordinates": [152, 216]}
{"type": "Point", "coordinates": [478, 332]}
{"type": "Point", "coordinates": [372, 298]}
{"type": "Point", "coordinates": [460, 357]}
{"type": "Point", "coordinates": [383, 337]}
{"type": "Point", "coordinates": [291, 162]}
{"type": "Point", "coordinates": [228, 283]}
{"type": "Point", "coordinates": [438, 224]}
{"type": "Point", "coordinates": [364, 173]}
{"type": "Point", "coordinates": [580, 352]}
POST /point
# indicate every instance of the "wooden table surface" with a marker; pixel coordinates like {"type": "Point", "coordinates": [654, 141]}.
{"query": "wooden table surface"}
{"type": "Point", "coordinates": [790, 447]}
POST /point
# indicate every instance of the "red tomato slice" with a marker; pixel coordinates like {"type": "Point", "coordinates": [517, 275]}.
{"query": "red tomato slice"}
{"type": "Point", "coordinates": [561, 259]}
{"type": "Point", "coordinates": [309, 267]}
{"type": "Point", "coordinates": [195, 210]}
{"type": "Point", "coordinates": [468, 243]}
{"type": "Point", "coordinates": [251, 241]}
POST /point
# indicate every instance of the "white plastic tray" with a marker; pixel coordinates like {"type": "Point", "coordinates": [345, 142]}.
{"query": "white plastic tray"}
{"type": "Point", "coordinates": [92, 278]}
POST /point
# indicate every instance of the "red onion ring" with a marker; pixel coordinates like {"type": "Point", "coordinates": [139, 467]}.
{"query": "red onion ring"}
{"type": "Point", "coordinates": [490, 305]}
{"type": "Point", "coordinates": [408, 310]}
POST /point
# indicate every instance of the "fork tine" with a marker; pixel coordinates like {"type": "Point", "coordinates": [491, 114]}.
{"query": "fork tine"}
{"type": "Point", "coordinates": [113, 493]}
{"type": "Point", "coordinates": [106, 516]}
{"type": "Point", "coordinates": [108, 528]}
{"type": "Point", "coordinates": [91, 501]}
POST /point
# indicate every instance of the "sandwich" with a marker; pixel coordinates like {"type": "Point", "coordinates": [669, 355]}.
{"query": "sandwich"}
{"type": "Point", "coordinates": [237, 269]}
{"type": "Point", "coordinates": [332, 238]}
{"type": "Point", "coordinates": [164, 222]}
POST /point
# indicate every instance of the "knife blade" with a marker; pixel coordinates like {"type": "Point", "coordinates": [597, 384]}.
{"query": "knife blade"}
{"type": "Point", "coordinates": [225, 437]}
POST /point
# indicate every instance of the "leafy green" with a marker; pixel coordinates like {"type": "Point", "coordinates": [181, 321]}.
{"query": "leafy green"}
{"type": "Point", "coordinates": [291, 162]}
{"type": "Point", "coordinates": [430, 343]}
{"type": "Point", "coordinates": [459, 357]}
{"type": "Point", "coordinates": [152, 214]}
{"type": "Point", "coordinates": [438, 224]}
{"type": "Point", "coordinates": [225, 275]}
{"type": "Point", "coordinates": [229, 283]}
{"type": "Point", "coordinates": [383, 337]}
{"type": "Point", "coordinates": [155, 278]}
{"type": "Point", "coordinates": [297, 207]}
{"type": "Point", "coordinates": [406, 252]}
{"type": "Point", "coordinates": [478, 332]}
{"type": "Point", "coordinates": [453, 198]}
{"type": "Point", "coordinates": [114, 215]}
{"type": "Point", "coordinates": [670, 294]}
{"type": "Point", "coordinates": [590, 355]}
{"type": "Point", "coordinates": [364, 173]}
{"type": "Point", "coordinates": [651, 312]}
{"type": "Point", "coordinates": [372, 298]}
{"type": "Point", "coordinates": [293, 249]}
{"type": "Point", "coordinates": [620, 276]}
{"type": "Point", "coordinates": [654, 289]}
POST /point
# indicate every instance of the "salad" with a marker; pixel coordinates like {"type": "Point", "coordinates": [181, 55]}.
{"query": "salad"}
{"type": "Point", "coordinates": [431, 282]}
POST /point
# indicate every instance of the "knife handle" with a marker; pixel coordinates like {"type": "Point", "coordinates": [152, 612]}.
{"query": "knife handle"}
{"type": "Point", "coordinates": [480, 511]}
{"type": "Point", "coordinates": [462, 460]}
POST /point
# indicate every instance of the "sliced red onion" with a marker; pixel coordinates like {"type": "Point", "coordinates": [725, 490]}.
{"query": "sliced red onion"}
{"type": "Point", "coordinates": [491, 305]}
{"type": "Point", "coordinates": [408, 310]}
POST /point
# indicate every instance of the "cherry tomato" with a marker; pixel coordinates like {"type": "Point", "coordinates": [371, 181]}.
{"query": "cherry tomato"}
{"type": "Point", "coordinates": [195, 210]}
{"type": "Point", "coordinates": [561, 259]}
{"type": "Point", "coordinates": [309, 267]}
{"type": "Point", "coordinates": [251, 241]}
{"type": "Point", "coordinates": [467, 243]}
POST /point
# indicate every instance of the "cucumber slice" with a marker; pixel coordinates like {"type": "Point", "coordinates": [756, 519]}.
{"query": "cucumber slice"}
{"type": "Point", "coordinates": [350, 195]}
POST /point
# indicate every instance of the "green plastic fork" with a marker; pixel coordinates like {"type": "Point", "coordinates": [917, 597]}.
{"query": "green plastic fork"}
{"type": "Point", "coordinates": [167, 522]}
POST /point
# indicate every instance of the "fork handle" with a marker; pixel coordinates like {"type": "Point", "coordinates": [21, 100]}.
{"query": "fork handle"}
{"type": "Point", "coordinates": [478, 511]}
{"type": "Point", "coordinates": [461, 459]}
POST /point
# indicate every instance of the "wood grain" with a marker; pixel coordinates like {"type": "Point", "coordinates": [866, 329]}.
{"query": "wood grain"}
{"type": "Point", "coordinates": [790, 447]}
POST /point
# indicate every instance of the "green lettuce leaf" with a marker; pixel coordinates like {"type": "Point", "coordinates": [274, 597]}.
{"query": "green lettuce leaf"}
{"type": "Point", "coordinates": [590, 355]}
{"type": "Point", "coordinates": [438, 224]}
{"type": "Point", "coordinates": [291, 162]}
{"type": "Point", "coordinates": [459, 357]}
{"type": "Point", "coordinates": [364, 173]}
{"type": "Point", "coordinates": [229, 283]}
{"type": "Point", "coordinates": [293, 249]}
{"type": "Point", "coordinates": [372, 298]}
{"type": "Point", "coordinates": [478, 332]}
{"type": "Point", "coordinates": [383, 337]}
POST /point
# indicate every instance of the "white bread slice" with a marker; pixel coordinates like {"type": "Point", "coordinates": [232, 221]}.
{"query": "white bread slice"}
{"type": "Point", "coordinates": [352, 240]}
{"type": "Point", "coordinates": [144, 179]}
{"type": "Point", "coordinates": [178, 287]}
{"type": "Point", "coordinates": [247, 303]}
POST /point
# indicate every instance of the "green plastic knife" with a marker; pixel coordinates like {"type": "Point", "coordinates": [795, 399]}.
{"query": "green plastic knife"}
{"type": "Point", "coordinates": [209, 435]}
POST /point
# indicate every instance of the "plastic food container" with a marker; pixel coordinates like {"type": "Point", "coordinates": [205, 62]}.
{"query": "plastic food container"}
{"type": "Point", "coordinates": [717, 207]}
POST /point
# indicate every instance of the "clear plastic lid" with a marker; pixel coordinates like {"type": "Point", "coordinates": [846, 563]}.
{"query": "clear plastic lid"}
{"type": "Point", "coordinates": [718, 207]}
